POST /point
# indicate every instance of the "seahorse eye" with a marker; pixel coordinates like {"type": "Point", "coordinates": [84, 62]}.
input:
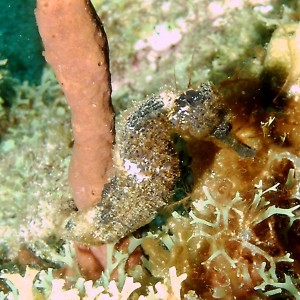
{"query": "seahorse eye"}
{"type": "Point", "coordinates": [181, 101]}
{"type": "Point", "coordinates": [190, 98]}
{"type": "Point", "coordinates": [193, 97]}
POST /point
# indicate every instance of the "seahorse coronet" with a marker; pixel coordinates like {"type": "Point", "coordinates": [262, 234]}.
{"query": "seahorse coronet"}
{"type": "Point", "coordinates": [147, 165]}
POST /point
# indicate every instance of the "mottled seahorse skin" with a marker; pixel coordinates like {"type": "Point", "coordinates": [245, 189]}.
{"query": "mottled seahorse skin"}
{"type": "Point", "coordinates": [146, 163]}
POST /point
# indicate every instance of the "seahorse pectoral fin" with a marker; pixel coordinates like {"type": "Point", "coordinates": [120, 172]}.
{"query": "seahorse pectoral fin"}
{"type": "Point", "coordinates": [222, 133]}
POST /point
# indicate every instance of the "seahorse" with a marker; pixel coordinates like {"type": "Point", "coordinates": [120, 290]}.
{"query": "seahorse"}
{"type": "Point", "coordinates": [147, 166]}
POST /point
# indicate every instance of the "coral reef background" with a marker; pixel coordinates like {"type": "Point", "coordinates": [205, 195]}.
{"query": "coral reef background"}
{"type": "Point", "coordinates": [235, 230]}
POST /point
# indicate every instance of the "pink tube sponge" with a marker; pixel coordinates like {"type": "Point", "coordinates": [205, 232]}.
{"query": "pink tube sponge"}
{"type": "Point", "coordinates": [76, 47]}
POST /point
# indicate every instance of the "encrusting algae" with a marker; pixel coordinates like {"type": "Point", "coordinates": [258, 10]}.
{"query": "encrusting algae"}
{"type": "Point", "coordinates": [234, 232]}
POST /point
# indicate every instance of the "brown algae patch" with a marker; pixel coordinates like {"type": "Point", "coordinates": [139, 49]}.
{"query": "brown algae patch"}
{"type": "Point", "coordinates": [240, 237]}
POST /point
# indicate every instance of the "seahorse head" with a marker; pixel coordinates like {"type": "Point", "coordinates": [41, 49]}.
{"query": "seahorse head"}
{"type": "Point", "coordinates": [197, 113]}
